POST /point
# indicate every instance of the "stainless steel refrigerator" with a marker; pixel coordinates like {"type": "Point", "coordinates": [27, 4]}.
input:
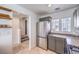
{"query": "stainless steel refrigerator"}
{"type": "Point", "coordinates": [43, 30]}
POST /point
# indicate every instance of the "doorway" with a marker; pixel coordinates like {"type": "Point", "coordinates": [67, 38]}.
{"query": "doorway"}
{"type": "Point", "coordinates": [23, 34]}
{"type": "Point", "coordinates": [23, 29]}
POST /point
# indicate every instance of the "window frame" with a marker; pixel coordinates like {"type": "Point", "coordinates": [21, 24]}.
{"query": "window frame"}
{"type": "Point", "coordinates": [60, 24]}
{"type": "Point", "coordinates": [65, 21]}
{"type": "Point", "coordinates": [53, 20]}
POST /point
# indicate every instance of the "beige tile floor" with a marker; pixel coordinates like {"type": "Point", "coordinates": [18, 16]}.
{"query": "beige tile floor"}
{"type": "Point", "coordinates": [20, 47]}
{"type": "Point", "coordinates": [23, 49]}
{"type": "Point", "coordinates": [35, 50]}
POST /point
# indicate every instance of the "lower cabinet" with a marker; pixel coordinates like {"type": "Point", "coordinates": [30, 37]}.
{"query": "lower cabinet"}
{"type": "Point", "coordinates": [51, 43]}
{"type": "Point", "coordinates": [56, 44]}
{"type": "Point", "coordinates": [60, 44]}
{"type": "Point", "coordinates": [5, 40]}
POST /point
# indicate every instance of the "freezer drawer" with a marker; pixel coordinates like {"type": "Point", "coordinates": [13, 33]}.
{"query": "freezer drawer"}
{"type": "Point", "coordinates": [42, 43]}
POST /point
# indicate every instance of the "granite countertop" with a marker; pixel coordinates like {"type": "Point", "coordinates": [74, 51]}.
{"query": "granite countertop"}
{"type": "Point", "coordinates": [66, 33]}
{"type": "Point", "coordinates": [71, 40]}
{"type": "Point", "coordinates": [57, 35]}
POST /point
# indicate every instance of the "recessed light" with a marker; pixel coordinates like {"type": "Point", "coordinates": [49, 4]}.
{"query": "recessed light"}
{"type": "Point", "coordinates": [49, 5]}
{"type": "Point", "coordinates": [57, 8]}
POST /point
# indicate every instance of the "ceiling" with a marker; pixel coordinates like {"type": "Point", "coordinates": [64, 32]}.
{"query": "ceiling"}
{"type": "Point", "coordinates": [42, 9]}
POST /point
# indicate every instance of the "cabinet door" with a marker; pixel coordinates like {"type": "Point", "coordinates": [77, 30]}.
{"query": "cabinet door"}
{"type": "Point", "coordinates": [60, 44]}
{"type": "Point", "coordinates": [51, 43]}
{"type": "Point", "coordinates": [5, 40]}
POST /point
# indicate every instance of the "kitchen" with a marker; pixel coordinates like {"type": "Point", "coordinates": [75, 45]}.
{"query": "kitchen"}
{"type": "Point", "coordinates": [59, 32]}
{"type": "Point", "coordinates": [56, 32]}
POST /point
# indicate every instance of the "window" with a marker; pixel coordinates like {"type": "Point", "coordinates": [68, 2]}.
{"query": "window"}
{"type": "Point", "coordinates": [66, 24]}
{"type": "Point", "coordinates": [76, 19]}
{"type": "Point", "coordinates": [55, 25]}
{"type": "Point", "coordinates": [62, 25]}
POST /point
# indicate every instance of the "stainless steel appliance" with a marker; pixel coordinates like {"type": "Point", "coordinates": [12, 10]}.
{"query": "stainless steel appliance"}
{"type": "Point", "coordinates": [42, 32]}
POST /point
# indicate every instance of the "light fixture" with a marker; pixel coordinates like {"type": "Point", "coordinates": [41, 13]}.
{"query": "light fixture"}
{"type": "Point", "coordinates": [57, 8]}
{"type": "Point", "coordinates": [49, 5]}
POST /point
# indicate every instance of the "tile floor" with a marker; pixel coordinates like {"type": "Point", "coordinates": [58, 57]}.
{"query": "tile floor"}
{"type": "Point", "coordinates": [35, 50]}
{"type": "Point", "coordinates": [23, 49]}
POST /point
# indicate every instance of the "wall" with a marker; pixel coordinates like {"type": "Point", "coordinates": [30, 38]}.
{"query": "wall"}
{"type": "Point", "coordinates": [32, 19]}
{"type": "Point", "coordinates": [63, 14]}
{"type": "Point", "coordinates": [15, 31]}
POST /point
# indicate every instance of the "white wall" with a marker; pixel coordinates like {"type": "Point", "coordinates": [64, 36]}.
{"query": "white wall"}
{"type": "Point", "coordinates": [15, 31]}
{"type": "Point", "coordinates": [31, 22]}
{"type": "Point", "coordinates": [61, 14]}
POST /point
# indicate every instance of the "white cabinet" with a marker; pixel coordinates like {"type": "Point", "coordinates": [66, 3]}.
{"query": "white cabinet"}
{"type": "Point", "coordinates": [5, 40]}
